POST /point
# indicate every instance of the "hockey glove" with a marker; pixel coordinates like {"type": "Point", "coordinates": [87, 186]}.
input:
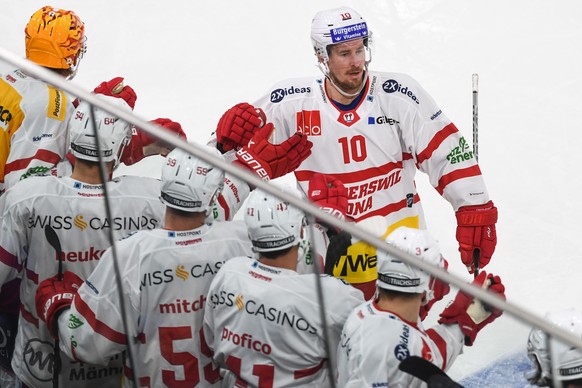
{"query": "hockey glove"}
{"type": "Point", "coordinates": [469, 313]}
{"type": "Point", "coordinates": [237, 126]}
{"type": "Point", "coordinates": [476, 232]}
{"type": "Point", "coordinates": [270, 161]}
{"type": "Point", "coordinates": [53, 296]}
{"type": "Point", "coordinates": [437, 290]}
{"type": "Point", "coordinates": [116, 88]}
{"type": "Point", "coordinates": [329, 194]}
{"type": "Point", "coordinates": [143, 144]}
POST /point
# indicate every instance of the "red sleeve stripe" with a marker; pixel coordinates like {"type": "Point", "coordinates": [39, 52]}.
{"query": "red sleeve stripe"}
{"type": "Point", "coordinates": [354, 176]}
{"type": "Point", "coordinates": [388, 209]}
{"type": "Point", "coordinates": [435, 142]}
{"type": "Point", "coordinates": [31, 275]}
{"type": "Point", "coordinates": [28, 316]}
{"type": "Point", "coordinates": [456, 175]}
{"type": "Point", "coordinates": [441, 345]}
{"type": "Point", "coordinates": [9, 259]}
{"type": "Point", "coordinates": [224, 205]}
{"type": "Point", "coordinates": [97, 325]}
{"type": "Point", "coordinates": [42, 155]}
{"type": "Point", "coordinates": [298, 374]}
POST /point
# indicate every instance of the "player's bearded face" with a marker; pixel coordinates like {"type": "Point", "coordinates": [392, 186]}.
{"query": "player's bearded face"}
{"type": "Point", "coordinates": [346, 64]}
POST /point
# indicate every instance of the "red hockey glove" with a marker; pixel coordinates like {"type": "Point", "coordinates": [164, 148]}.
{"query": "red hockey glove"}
{"type": "Point", "coordinates": [469, 313]}
{"type": "Point", "coordinates": [329, 194]}
{"type": "Point", "coordinates": [53, 296]}
{"type": "Point", "coordinates": [237, 126]}
{"type": "Point", "coordinates": [116, 88]}
{"type": "Point", "coordinates": [270, 161]}
{"type": "Point", "coordinates": [437, 289]}
{"type": "Point", "coordinates": [476, 231]}
{"type": "Point", "coordinates": [143, 144]}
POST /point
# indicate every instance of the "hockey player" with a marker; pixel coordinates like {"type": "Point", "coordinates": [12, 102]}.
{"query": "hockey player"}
{"type": "Point", "coordinates": [165, 278]}
{"type": "Point", "coordinates": [381, 333]}
{"type": "Point", "coordinates": [73, 209]}
{"type": "Point", "coordinates": [34, 115]}
{"type": "Point", "coordinates": [546, 353]}
{"type": "Point", "coordinates": [262, 318]}
{"type": "Point", "coordinates": [373, 130]}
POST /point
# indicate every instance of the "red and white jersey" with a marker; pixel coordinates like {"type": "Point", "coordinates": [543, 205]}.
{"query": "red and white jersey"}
{"type": "Point", "coordinates": [376, 146]}
{"type": "Point", "coordinates": [165, 277]}
{"type": "Point", "coordinates": [374, 341]}
{"type": "Point", "coordinates": [264, 324]}
{"type": "Point", "coordinates": [76, 212]}
{"type": "Point", "coordinates": [33, 126]}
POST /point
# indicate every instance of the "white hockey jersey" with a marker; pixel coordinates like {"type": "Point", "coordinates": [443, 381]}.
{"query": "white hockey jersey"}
{"type": "Point", "coordinates": [375, 147]}
{"type": "Point", "coordinates": [76, 212]}
{"type": "Point", "coordinates": [33, 122]}
{"type": "Point", "coordinates": [165, 277]}
{"type": "Point", "coordinates": [374, 341]}
{"type": "Point", "coordinates": [264, 324]}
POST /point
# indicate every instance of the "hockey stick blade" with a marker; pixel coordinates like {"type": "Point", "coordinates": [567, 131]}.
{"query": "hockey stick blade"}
{"type": "Point", "coordinates": [428, 372]}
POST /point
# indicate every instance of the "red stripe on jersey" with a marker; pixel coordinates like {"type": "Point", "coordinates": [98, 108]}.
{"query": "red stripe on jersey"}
{"type": "Point", "coordinates": [298, 374]}
{"type": "Point", "coordinates": [9, 259]}
{"type": "Point", "coordinates": [224, 205]}
{"type": "Point", "coordinates": [435, 142]}
{"type": "Point", "coordinates": [31, 275]}
{"type": "Point", "coordinates": [97, 325]}
{"type": "Point", "coordinates": [354, 176]}
{"type": "Point", "coordinates": [43, 155]}
{"type": "Point", "coordinates": [28, 316]}
{"type": "Point", "coordinates": [456, 175]}
{"type": "Point", "coordinates": [441, 345]}
{"type": "Point", "coordinates": [388, 209]}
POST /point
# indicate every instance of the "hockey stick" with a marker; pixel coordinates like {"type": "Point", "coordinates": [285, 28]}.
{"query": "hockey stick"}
{"type": "Point", "coordinates": [54, 241]}
{"type": "Point", "coordinates": [428, 372]}
{"type": "Point", "coordinates": [476, 252]}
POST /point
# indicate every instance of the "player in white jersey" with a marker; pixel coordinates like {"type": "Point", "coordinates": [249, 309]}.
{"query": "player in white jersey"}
{"type": "Point", "coordinates": [381, 333]}
{"type": "Point", "coordinates": [373, 130]}
{"type": "Point", "coordinates": [165, 278]}
{"type": "Point", "coordinates": [262, 318]}
{"type": "Point", "coordinates": [73, 209]}
{"type": "Point", "coordinates": [547, 353]}
{"type": "Point", "coordinates": [34, 115]}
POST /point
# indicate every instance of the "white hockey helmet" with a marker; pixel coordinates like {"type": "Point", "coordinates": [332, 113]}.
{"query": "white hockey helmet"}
{"type": "Point", "coordinates": [189, 183]}
{"type": "Point", "coordinates": [114, 133]}
{"type": "Point", "coordinates": [569, 359]}
{"type": "Point", "coordinates": [273, 224]}
{"type": "Point", "coordinates": [396, 275]}
{"type": "Point", "coordinates": [336, 26]}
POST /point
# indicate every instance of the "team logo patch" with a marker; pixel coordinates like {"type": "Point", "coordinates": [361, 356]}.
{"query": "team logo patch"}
{"type": "Point", "coordinates": [309, 122]}
{"type": "Point", "coordinates": [349, 118]}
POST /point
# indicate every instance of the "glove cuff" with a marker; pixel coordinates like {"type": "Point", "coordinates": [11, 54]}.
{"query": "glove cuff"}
{"type": "Point", "coordinates": [477, 215]}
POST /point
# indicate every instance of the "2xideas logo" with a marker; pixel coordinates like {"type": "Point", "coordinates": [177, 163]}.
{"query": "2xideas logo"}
{"type": "Point", "coordinates": [278, 95]}
{"type": "Point", "coordinates": [393, 86]}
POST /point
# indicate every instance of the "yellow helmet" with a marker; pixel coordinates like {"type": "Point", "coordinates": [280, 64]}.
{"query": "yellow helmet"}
{"type": "Point", "coordinates": [55, 38]}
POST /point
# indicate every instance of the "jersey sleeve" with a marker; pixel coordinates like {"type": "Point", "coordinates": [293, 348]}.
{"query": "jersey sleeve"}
{"type": "Point", "coordinates": [440, 150]}
{"type": "Point", "coordinates": [449, 340]}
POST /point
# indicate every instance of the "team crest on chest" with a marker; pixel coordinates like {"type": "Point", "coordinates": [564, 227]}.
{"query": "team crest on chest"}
{"type": "Point", "coordinates": [348, 118]}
